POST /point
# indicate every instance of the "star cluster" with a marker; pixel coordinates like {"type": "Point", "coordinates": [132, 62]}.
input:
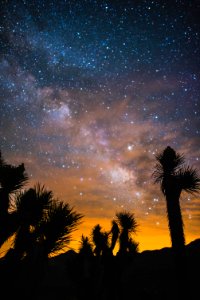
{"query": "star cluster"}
{"type": "Point", "coordinates": [90, 91]}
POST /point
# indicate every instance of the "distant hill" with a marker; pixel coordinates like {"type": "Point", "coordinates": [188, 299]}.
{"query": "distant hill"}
{"type": "Point", "coordinates": [194, 245]}
{"type": "Point", "coordinates": [160, 255]}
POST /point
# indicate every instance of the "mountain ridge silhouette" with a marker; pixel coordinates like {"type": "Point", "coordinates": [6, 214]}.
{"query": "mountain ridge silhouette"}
{"type": "Point", "coordinates": [194, 245]}
{"type": "Point", "coordinates": [157, 260]}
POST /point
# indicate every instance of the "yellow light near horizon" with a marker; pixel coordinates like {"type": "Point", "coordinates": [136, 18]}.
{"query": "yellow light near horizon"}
{"type": "Point", "coordinates": [149, 238]}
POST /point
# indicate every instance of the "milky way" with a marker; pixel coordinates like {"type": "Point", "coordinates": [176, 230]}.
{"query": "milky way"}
{"type": "Point", "coordinates": [91, 91]}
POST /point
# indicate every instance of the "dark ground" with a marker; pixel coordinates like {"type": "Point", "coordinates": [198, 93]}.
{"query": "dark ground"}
{"type": "Point", "coordinates": [148, 275]}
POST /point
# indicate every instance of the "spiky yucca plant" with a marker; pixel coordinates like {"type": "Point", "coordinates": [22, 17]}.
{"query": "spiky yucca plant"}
{"type": "Point", "coordinates": [127, 225]}
{"type": "Point", "coordinates": [12, 180]}
{"type": "Point", "coordinates": [85, 248]}
{"type": "Point", "coordinates": [174, 178]}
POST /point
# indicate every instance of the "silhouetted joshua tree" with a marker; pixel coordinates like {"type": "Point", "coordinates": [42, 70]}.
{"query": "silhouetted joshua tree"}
{"type": "Point", "coordinates": [115, 235]}
{"type": "Point", "coordinates": [100, 240]}
{"type": "Point", "coordinates": [85, 248]}
{"type": "Point", "coordinates": [31, 207]}
{"type": "Point", "coordinates": [85, 266]}
{"type": "Point", "coordinates": [54, 231]}
{"type": "Point", "coordinates": [12, 179]}
{"type": "Point", "coordinates": [133, 246]}
{"type": "Point", "coordinates": [45, 227]}
{"type": "Point", "coordinates": [40, 225]}
{"type": "Point", "coordinates": [128, 225]}
{"type": "Point", "coordinates": [174, 178]}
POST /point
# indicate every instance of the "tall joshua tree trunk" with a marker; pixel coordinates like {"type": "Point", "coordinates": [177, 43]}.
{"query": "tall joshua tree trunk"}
{"type": "Point", "coordinates": [175, 221]}
{"type": "Point", "coordinates": [174, 178]}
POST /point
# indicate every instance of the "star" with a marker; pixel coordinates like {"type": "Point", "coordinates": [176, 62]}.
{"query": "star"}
{"type": "Point", "coordinates": [91, 91]}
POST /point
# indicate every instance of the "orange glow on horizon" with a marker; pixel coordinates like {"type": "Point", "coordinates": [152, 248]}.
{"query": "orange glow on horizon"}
{"type": "Point", "coordinates": [149, 237]}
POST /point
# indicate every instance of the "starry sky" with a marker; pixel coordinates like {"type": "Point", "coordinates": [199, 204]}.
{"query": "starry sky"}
{"type": "Point", "coordinates": [90, 91]}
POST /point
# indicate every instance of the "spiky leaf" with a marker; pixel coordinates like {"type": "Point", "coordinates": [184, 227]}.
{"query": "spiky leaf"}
{"type": "Point", "coordinates": [189, 180]}
{"type": "Point", "coordinates": [127, 221]}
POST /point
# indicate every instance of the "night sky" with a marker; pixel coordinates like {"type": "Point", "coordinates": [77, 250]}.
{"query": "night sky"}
{"type": "Point", "coordinates": [90, 91]}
